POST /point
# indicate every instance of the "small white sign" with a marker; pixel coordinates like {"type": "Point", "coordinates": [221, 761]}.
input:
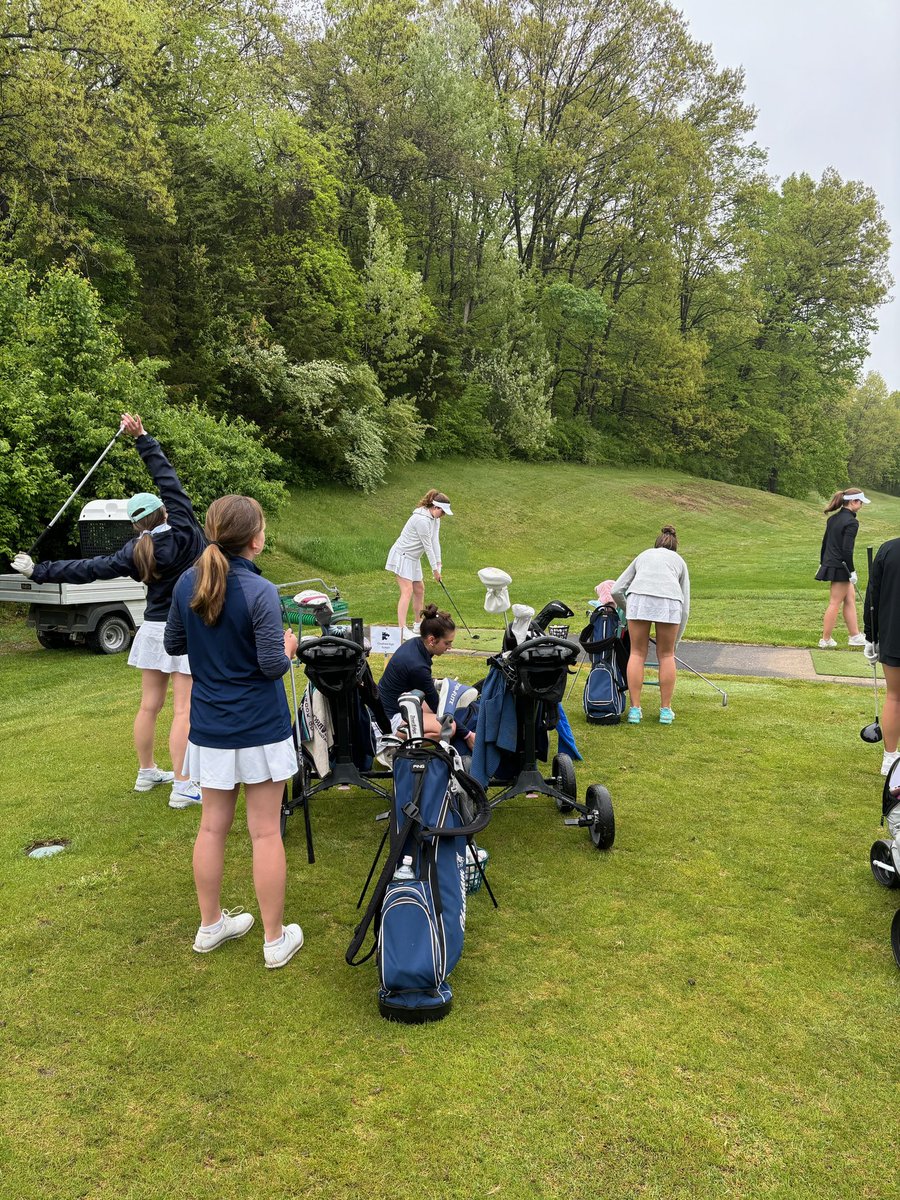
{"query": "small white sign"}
{"type": "Point", "coordinates": [385, 638]}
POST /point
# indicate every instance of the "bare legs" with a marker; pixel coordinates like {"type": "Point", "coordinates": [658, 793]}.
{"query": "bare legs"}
{"type": "Point", "coordinates": [154, 685]}
{"type": "Point", "coordinates": [410, 590]}
{"type": "Point", "coordinates": [890, 713]}
{"type": "Point", "coordinates": [843, 598]}
{"type": "Point", "coordinates": [269, 868]}
{"type": "Point", "coordinates": [666, 635]}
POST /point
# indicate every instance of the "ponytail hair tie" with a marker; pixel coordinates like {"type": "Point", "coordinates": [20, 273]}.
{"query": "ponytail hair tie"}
{"type": "Point", "coordinates": [144, 533]}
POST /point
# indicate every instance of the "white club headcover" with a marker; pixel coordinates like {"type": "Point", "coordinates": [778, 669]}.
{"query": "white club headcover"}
{"type": "Point", "coordinates": [521, 624]}
{"type": "Point", "coordinates": [497, 583]}
{"type": "Point", "coordinates": [313, 599]}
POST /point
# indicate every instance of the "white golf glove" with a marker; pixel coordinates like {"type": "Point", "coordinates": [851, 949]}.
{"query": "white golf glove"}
{"type": "Point", "coordinates": [853, 577]}
{"type": "Point", "coordinates": [870, 652]}
{"type": "Point", "coordinates": [24, 564]}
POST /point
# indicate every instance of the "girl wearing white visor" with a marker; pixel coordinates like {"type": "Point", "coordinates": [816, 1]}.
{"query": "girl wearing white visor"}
{"type": "Point", "coordinates": [836, 564]}
{"type": "Point", "coordinates": [420, 535]}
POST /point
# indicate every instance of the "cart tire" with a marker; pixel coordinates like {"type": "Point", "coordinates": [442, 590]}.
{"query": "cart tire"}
{"type": "Point", "coordinates": [564, 773]}
{"type": "Point", "coordinates": [603, 827]}
{"type": "Point", "coordinates": [52, 639]}
{"type": "Point", "coordinates": [112, 635]}
{"type": "Point", "coordinates": [879, 857]}
{"type": "Point", "coordinates": [895, 937]}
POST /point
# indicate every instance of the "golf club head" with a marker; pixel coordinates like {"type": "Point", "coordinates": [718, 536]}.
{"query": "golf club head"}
{"type": "Point", "coordinates": [871, 733]}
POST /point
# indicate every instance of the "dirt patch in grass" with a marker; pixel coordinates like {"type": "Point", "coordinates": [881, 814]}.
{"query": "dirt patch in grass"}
{"type": "Point", "coordinates": [703, 501]}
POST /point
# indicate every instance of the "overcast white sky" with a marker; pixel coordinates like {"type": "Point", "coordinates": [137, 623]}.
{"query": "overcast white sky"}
{"type": "Point", "coordinates": [824, 76]}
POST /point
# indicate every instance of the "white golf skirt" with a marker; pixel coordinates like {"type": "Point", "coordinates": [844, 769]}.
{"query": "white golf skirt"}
{"type": "Point", "coordinates": [149, 654]}
{"type": "Point", "coordinates": [224, 769]}
{"type": "Point", "coordinates": [653, 608]}
{"type": "Point", "coordinates": [404, 566]}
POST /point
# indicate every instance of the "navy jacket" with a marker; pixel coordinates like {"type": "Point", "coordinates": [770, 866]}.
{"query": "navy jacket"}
{"type": "Point", "coordinates": [838, 540]}
{"type": "Point", "coordinates": [177, 547]}
{"type": "Point", "coordinates": [881, 612]}
{"type": "Point", "coordinates": [408, 668]}
{"type": "Point", "coordinates": [237, 698]}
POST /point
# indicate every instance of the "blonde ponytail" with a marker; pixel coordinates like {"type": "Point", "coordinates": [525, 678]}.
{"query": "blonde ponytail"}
{"type": "Point", "coordinates": [231, 524]}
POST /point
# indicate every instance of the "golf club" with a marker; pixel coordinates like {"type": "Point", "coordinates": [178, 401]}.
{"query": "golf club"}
{"type": "Point", "coordinates": [474, 636]}
{"type": "Point", "coordinates": [872, 733]}
{"type": "Point", "coordinates": [693, 671]}
{"type": "Point", "coordinates": [77, 490]}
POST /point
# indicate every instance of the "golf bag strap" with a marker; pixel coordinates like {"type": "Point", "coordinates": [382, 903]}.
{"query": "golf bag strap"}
{"type": "Point", "coordinates": [478, 796]}
{"type": "Point", "coordinates": [374, 905]}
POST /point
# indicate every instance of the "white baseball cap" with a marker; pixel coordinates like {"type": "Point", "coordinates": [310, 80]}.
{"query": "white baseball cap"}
{"type": "Point", "coordinates": [857, 496]}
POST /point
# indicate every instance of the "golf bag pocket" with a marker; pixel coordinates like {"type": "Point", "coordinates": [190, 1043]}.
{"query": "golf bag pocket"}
{"type": "Point", "coordinates": [410, 954]}
{"type": "Point", "coordinates": [604, 699]}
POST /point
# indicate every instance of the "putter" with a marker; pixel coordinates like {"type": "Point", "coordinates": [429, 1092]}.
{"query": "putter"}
{"type": "Point", "coordinates": [872, 733]}
{"type": "Point", "coordinates": [77, 490]}
{"type": "Point", "coordinates": [474, 636]}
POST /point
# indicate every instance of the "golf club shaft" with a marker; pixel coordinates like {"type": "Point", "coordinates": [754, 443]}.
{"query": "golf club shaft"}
{"type": "Point", "coordinates": [77, 490]}
{"type": "Point", "coordinates": [458, 613]}
{"type": "Point", "coordinates": [869, 556]}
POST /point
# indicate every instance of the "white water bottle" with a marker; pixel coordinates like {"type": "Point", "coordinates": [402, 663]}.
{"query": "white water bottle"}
{"type": "Point", "coordinates": [405, 870]}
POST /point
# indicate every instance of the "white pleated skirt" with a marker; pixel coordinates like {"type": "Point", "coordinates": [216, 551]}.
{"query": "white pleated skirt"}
{"type": "Point", "coordinates": [149, 654]}
{"type": "Point", "coordinates": [403, 565]}
{"type": "Point", "coordinates": [225, 769]}
{"type": "Point", "coordinates": [653, 608]}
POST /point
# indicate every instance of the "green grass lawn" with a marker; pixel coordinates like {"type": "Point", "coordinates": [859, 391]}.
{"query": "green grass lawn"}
{"type": "Point", "coordinates": [561, 529]}
{"type": "Point", "coordinates": [705, 1011]}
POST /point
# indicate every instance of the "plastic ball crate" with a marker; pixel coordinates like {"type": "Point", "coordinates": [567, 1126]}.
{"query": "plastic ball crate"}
{"type": "Point", "coordinates": [560, 631]}
{"type": "Point", "coordinates": [473, 875]}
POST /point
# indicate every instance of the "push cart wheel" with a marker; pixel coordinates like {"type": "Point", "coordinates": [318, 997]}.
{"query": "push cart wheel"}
{"type": "Point", "coordinates": [603, 826]}
{"type": "Point", "coordinates": [895, 937]}
{"type": "Point", "coordinates": [882, 864]}
{"type": "Point", "coordinates": [52, 639]}
{"type": "Point", "coordinates": [564, 774]}
{"type": "Point", "coordinates": [112, 635]}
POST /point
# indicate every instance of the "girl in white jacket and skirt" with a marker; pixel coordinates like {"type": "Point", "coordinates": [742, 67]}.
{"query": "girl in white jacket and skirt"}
{"type": "Point", "coordinates": [421, 535]}
{"type": "Point", "coordinates": [658, 593]}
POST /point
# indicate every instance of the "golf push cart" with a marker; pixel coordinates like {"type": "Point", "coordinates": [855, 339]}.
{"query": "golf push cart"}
{"type": "Point", "coordinates": [520, 705]}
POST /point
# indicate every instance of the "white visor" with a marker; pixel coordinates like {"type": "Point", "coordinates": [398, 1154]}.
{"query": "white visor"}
{"type": "Point", "coordinates": [443, 505]}
{"type": "Point", "coordinates": [856, 496]}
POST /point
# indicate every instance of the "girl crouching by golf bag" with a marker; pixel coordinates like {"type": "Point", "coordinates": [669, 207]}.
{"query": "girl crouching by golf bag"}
{"type": "Point", "coordinates": [420, 535]}
{"type": "Point", "coordinates": [409, 669]}
{"type": "Point", "coordinates": [168, 540]}
{"type": "Point", "coordinates": [228, 619]}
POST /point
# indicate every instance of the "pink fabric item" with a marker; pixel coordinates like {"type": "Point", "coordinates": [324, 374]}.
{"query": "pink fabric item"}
{"type": "Point", "coordinates": [604, 591]}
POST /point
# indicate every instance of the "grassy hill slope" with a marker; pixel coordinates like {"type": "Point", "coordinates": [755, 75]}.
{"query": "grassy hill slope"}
{"type": "Point", "coordinates": [561, 529]}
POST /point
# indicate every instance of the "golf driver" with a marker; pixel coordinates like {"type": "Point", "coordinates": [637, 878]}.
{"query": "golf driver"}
{"type": "Point", "coordinates": [77, 490]}
{"type": "Point", "coordinates": [872, 733]}
{"type": "Point", "coordinates": [473, 636]}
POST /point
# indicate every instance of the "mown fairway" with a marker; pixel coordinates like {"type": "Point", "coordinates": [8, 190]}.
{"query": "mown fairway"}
{"type": "Point", "coordinates": [704, 1011]}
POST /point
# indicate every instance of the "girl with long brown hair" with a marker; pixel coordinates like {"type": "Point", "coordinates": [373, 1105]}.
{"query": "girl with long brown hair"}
{"type": "Point", "coordinates": [228, 619]}
{"type": "Point", "coordinates": [168, 539]}
{"type": "Point", "coordinates": [420, 535]}
{"type": "Point", "coordinates": [836, 565]}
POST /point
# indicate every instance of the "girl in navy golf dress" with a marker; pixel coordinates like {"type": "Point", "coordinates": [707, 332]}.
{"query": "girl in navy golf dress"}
{"type": "Point", "coordinates": [168, 540]}
{"type": "Point", "coordinates": [228, 619]}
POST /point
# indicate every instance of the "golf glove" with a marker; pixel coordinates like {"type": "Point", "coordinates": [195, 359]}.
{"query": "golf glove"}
{"type": "Point", "coordinates": [853, 578]}
{"type": "Point", "coordinates": [24, 564]}
{"type": "Point", "coordinates": [870, 652]}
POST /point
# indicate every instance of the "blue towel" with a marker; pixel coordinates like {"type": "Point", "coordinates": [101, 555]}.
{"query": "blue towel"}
{"type": "Point", "coordinates": [497, 729]}
{"type": "Point", "coordinates": [566, 737]}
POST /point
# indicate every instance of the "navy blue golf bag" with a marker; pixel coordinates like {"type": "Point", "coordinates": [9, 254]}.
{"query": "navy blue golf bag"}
{"type": "Point", "coordinates": [604, 641]}
{"type": "Point", "coordinates": [419, 907]}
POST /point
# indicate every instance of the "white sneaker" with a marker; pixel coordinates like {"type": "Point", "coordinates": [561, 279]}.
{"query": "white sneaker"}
{"type": "Point", "coordinates": [184, 793]}
{"type": "Point", "coordinates": [888, 759]}
{"type": "Point", "coordinates": [858, 639]}
{"type": "Point", "coordinates": [234, 924]}
{"type": "Point", "coordinates": [829, 644]}
{"type": "Point", "coordinates": [281, 952]}
{"type": "Point", "coordinates": [149, 777]}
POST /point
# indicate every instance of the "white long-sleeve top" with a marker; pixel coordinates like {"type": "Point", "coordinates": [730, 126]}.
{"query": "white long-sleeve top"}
{"type": "Point", "coordinates": [657, 572]}
{"type": "Point", "coordinates": [421, 535]}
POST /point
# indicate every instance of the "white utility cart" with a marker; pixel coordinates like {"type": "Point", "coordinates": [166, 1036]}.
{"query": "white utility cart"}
{"type": "Point", "coordinates": [104, 614]}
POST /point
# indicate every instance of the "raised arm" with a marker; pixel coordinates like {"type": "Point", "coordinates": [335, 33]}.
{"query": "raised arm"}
{"type": "Point", "coordinates": [178, 505]}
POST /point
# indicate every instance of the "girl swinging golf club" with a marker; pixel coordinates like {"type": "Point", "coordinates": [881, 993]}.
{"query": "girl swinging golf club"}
{"type": "Point", "coordinates": [420, 535]}
{"type": "Point", "coordinates": [168, 539]}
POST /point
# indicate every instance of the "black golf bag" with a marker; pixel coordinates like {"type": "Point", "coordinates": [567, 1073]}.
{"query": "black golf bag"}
{"type": "Point", "coordinates": [604, 640]}
{"type": "Point", "coordinates": [418, 906]}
